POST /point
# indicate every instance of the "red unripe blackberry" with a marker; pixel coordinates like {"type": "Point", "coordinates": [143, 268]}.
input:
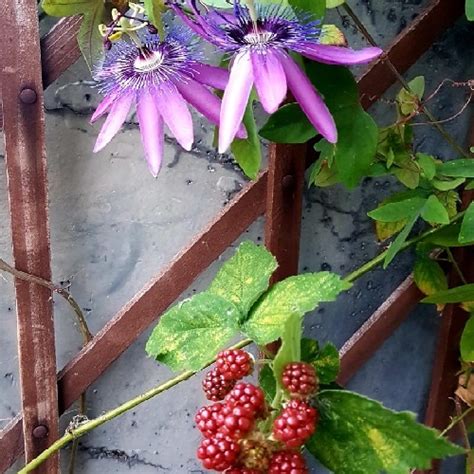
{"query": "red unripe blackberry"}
{"type": "Point", "coordinates": [235, 420]}
{"type": "Point", "coordinates": [219, 452]}
{"type": "Point", "coordinates": [300, 379]}
{"type": "Point", "coordinates": [248, 396]}
{"type": "Point", "coordinates": [295, 424]}
{"type": "Point", "coordinates": [216, 387]}
{"type": "Point", "coordinates": [242, 470]}
{"type": "Point", "coordinates": [208, 421]}
{"type": "Point", "coordinates": [234, 364]}
{"type": "Point", "coordinates": [288, 462]}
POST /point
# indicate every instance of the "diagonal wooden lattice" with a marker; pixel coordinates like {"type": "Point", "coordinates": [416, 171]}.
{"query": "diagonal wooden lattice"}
{"type": "Point", "coordinates": [277, 193]}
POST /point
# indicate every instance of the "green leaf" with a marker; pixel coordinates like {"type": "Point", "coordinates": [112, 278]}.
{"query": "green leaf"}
{"type": "Point", "coordinates": [467, 341]}
{"type": "Point", "coordinates": [327, 363]}
{"type": "Point", "coordinates": [433, 211]}
{"type": "Point", "coordinates": [94, 13]}
{"type": "Point", "coordinates": [397, 244]}
{"type": "Point", "coordinates": [447, 236]}
{"type": "Point", "coordinates": [357, 435]}
{"type": "Point", "coordinates": [397, 211]}
{"type": "Point", "coordinates": [427, 164]}
{"type": "Point", "coordinates": [357, 132]}
{"type": "Point", "coordinates": [460, 294]}
{"type": "Point", "coordinates": [267, 383]}
{"type": "Point", "coordinates": [309, 349]}
{"type": "Point", "coordinates": [409, 101]}
{"type": "Point", "coordinates": [429, 276]}
{"type": "Point", "coordinates": [316, 7]}
{"type": "Point", "coordinates": [248, 153]}
{"type": "Point", "coordinates": [385, 230]}
{"type": "Point", "coordinates": [245, 276]}
{"type": "Point", "coordinates": [334, 3]}
{"type": "Point", "coordinates": [154, 10]}
{"type": "Point", "coordinates": [191, 333]}
{"type": "Point", "coordinates": [466, 234]}
{"type": "Point", "coordinates": [288, 124]}
{"type": "Point", "coordinates": [463, 168]}
{"type": "Point", "coordinates": [446, 185]}
{"type": "Point", "coordinates": [332, 35]}
{"type": "Point", "coordinates": [295, 295]}
{"type": "Point", "coordinates": [470, 10]}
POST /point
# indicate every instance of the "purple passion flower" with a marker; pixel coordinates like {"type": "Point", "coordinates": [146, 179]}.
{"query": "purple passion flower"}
{"type": "Point", "coordinates": [161, 78]}
{"type": "Point", "coordinates": [260, 58]}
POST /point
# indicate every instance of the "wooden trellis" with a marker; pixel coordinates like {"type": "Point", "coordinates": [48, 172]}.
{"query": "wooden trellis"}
{"type": "Point", "coordinates": [27, 66]}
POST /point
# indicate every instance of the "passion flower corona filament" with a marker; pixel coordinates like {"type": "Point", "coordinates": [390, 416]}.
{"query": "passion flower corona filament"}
{"type": "Point", "coordinates": [259, 43]}
{"type": "Point", "coordinates": [161, 78]}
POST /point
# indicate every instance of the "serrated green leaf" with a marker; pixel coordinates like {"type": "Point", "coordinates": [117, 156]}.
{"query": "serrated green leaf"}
{"type": "Point", "coordinates": [467, 341]}
{"type": "Point", "coordinates": [357, 435]}
{"type": "Point", "coordinates": [309, 349]}
{"type": "Point", "coordinates": [245, 276]}
{"type": "Point", "coordinates": [327, 363]}
{"type": "Point", "coordinates": [288, 124]}
{"type": "Point", "coordinates": [460, 294]}
{"type": "Point", "coordinates": [463, 168]}
{"type": "Point", "coordinates": [429, 276]}
{"type": "Point", "coordinates": [397, 211]}
{"type": "Point", "coordinates": [397, 244]}
{"type": "Point", "coordinates": [191, 333]}
{"type": "Point", "coordinates": [247, 152]}
{"type": "Point", "coordinates": [434, 212]}
{"type": "Point", "coordinates": [466, 234]}
{"type": "Point", "coordinates": [295, 295]}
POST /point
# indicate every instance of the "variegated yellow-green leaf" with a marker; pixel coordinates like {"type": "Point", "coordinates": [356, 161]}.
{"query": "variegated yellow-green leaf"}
{"type": "Point", "coordinates": [357, 435]}
{"type": "Point", "coordinates": [385, 230]}
{"type": "Point", "coordinates": [429, 277]}
{"type": "Point", "coordinates": [295, 295]}
{"type": "Point", "coordinates": [191, 333]}
{"type": "Point", "coordinates": [331, 34]}
{"type": "Point", "coordinates": [327, 363]}
{"type": "Point", "coordinates": [245, 276]}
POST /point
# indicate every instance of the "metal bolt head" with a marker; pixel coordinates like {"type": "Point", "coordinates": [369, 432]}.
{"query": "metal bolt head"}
{"type": "Point", "coordinates": [40, 431]}
{"type": "Point", "coordinates": [288, 181]}
{"type": "Point", "coordinates": [28, 96]}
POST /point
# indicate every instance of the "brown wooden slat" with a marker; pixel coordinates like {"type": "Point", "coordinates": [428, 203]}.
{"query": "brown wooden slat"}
{"type": "Point", "coordinates": [25, 155]}
{"type": "Point", "coordinates": [411, 43]}
{"type": "Point", "coordinates": [377, 329]}
{"type": "Point", "coordinates": [284, 199]}
{"type": "Point", "coordinates": [68, 392]}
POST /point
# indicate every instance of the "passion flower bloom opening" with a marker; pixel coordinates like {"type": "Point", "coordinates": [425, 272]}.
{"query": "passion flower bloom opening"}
{"type": "Point", "coordinates": [259, 48]}
{"type": "Point", "coordinates": [160, 78]}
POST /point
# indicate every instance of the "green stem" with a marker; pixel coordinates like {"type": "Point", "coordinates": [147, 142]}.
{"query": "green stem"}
{"type": "Point", "coordinates": [367, 267]}
{"type": "Point", "coordinates": [444, 133]}
{"type": "Point", "coordinates": [456, 420]}
{"type": "Point", "coordinates": [455, 265]}
{"type": "Point", "coordinates": [121, 409]}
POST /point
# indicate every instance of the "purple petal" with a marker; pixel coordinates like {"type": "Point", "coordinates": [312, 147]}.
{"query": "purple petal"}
{"type": "Point", "coordinates": [324, 53]}
{"type": "Point", "coordinates": [175, 112]}
{"type": "Point", "coordinates": [310, 101]}
{"type": "Point", "coordinates": [234, 102]}
{"type": "Point", "coordinates": [205, 102]}
{"type": "Point", "coordinates": [270, 79]}
{"type": "Point", "coordinates": [117, 116]}
{"type": "Point", "coordinates": [196, 26]}
{"type": "Point", "coordinates": [212, 76]}
{"type": "Point", "coordinates": [151, 130]}
{"type": "Point", "coordinates": [103, 107]}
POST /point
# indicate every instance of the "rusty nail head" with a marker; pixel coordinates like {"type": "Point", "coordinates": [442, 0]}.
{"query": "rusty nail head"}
{"type": "Point", "coordinates": [28, 96]}
{"type": "Point", "coordinates": [288, 181]}
{"type": "Point", "coordinates": [40, 431]}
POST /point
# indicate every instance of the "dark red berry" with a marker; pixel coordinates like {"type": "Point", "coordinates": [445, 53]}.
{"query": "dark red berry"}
{"type": "Point", "coordinates": [216, 387]}
{"type": "Point", "coordinates": [299, 378]}
{"type": "Point", "coordinates": [207, 419]}
{"type": "Point", "coordinates": [234, 364]}
{"type": "Point", "coordinates": [235, 420]}
{"type": "Point", "coordinates": [219, 452]}
{"type": "Point", "coordinates": [248, 396]}
{"type": "Point", "coordinates": [295, 424]}
{"type": "Point", "coordinates": [288, 462]}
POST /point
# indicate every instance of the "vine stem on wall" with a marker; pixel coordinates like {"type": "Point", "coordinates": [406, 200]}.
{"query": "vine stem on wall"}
{"type": "Point", "coordinates": [74, 433]}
